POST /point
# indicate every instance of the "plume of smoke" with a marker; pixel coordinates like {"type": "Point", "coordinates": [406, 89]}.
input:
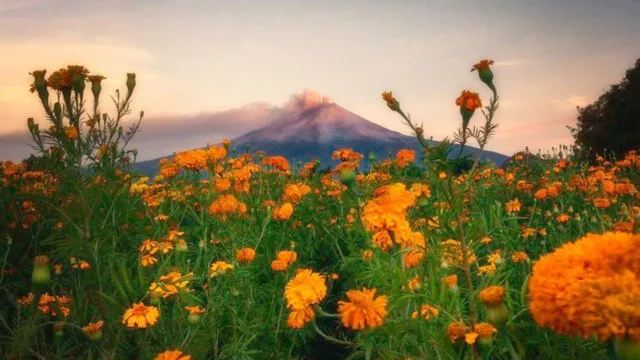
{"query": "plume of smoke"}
{"type": "Point", "coordinates": [307, 99]}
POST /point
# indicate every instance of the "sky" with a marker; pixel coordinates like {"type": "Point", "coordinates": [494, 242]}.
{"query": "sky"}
{"type": "Point", "coordinates": [196, 58]}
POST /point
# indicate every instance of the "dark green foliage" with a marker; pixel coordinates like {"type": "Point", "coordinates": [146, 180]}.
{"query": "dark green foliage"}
{"type": "Point", "coordinates": [612, 123]}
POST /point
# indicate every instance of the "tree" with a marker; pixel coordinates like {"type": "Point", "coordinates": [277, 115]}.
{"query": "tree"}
{"type": "Point", "coordinates": [612, 123]}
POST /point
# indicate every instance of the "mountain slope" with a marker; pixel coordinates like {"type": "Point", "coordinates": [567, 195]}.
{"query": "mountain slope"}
{"type": "Point", "coordinates": [316, 129]}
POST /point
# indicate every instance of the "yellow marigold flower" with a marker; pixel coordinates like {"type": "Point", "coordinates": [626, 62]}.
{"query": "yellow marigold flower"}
{"type": "Point", "coordinates": [172, 355]}
{"type": "Point", "coordinates": [305, 289]}
{"type": "Point", "coordinates": [245, 255]}
{"type": "Point", "coordinates": [469, 100]}
{"type": "Point", "coordinates": [590, 287]}
{"type": "Point", "coordinates": [363, 310]}
{"type": "Point", "coordinates": [426, 311]}
{"type": "Point", "coordinates": [487, 269]}
{"type": "Point", "coordinates": [470, 338]}
{"type": "Point", "coordinates": [283, 212]}
{"type": "Point", "coordinates": [492, 295]}
{"type": "Point", "coordinates": [219, 268]}
{"type": "Point", "coordinates": [140, 316]}
{"type": "Point", "coordinates": [299, 318]}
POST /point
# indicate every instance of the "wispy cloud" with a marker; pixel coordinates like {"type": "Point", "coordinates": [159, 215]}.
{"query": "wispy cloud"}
{"type": "Point", "coordinates": [571, 102]}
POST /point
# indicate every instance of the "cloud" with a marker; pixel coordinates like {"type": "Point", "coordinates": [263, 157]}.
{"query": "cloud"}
{"type": "Point", "coordinates": [516, 62]}
{"type": "Point", "coordinates": [571, 102]}
{"type": "Point", "coordinates": [306, 100]}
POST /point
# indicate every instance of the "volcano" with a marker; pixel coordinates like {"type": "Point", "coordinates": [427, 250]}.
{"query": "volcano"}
{"type": "Point", "coordinates": [312, 127]}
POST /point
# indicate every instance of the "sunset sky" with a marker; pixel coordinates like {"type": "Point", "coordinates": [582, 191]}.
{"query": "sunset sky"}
{"type": "Point", "coordinates": [195, 57]}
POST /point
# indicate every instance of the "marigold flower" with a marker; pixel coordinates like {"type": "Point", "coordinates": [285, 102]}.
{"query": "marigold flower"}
{"type": "Point", "coordinates": [245, 255]}
{"type": "Point", "coordinates": [140, 316]}
{"type": "Point", "coordinates": [305, 289]}
{"type": "Point", "coordinates": [363, 310]}
{"type": "Point", "coordinates": [513, 206]}
{"type": "Point", "coordinates": [590, 287]}
{"type": "Point", "coordinates": [469, 100]}
{"type": "Point", "coordinates": [283, 212]}
{"type": "Point", "coordinates": [470, 338]}
{"type": "Point", "coordinates": [392, 103]}
{"type": "Point", "coordinates": [194, 160]}
{"type": "Point", "coordinates": [456, 330]}
{"type": "Point", "coordinates": [485, 330]}
{"type": "Point", "coordinates": [426, 311]}
{"type": "Point", "coordinates": [279, 265]}
{"type": "Point", "coordinates": [299, 318]}
{"type": "Point", "coordinates": [405, 157]}
{"type": "Point", "coordinates": [219, 268]}
{"type": "Point", "coordinates": [94, 330]}
{"type": "Point", "coordinates": [519, 256]}
{"type": "Point", "coordinates": [492, 295]}
{"type": "Point", "coordinates": [172, 355]}
{"type": "Point", "coordinates": [413, 258]}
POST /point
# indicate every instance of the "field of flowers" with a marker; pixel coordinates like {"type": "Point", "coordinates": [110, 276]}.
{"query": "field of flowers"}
{"type": "Point", "coordinates": [224, 255]}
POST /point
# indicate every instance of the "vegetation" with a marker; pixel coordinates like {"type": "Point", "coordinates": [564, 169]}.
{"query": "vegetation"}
{"type": "Point", "coordinates": [427, 259]}
{"type": "Point", "coordinates": [612, 123]}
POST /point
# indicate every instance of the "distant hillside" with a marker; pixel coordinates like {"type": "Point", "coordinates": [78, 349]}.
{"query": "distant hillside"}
{"type": "Point", "coordinates": [316, 129]}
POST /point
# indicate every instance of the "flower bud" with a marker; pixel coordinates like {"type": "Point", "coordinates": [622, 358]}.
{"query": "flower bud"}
{"type": "Point", "coordinates": [347, 176]}
{"type": "Point", "coordinates": [131, 83]}
{"type": "Point", "coordinates": [194, 318]}
{"type": "Point", "coordinates": [182, 246]}
{"type": "Point", "coordinates": [497, 315]}
{"type": "Point", "coordinates": [41, 273]}
{"type": "Point", "coordinates": [58, 329]}
{"type": "Point", "coordinates": [57, 110]}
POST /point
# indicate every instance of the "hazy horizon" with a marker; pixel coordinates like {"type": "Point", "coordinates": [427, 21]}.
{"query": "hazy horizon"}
{"type": "Point", "coordinates": [194, 58]}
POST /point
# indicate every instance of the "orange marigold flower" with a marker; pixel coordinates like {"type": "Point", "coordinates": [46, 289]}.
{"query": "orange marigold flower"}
{"type": "Point", "coordinates": [469, 100]}
{"type": "Point", "coordinates": [283, 212]}
{"type": "Point", "coordinates": [279, 265]}
{"type": "Point", "coordinates": [513, 206]}
{"type": "Point", "coordinates": [456, 330]}
{"type": "Point", "coordinates": [195, 310]}
{"type": "Point", "coordinates": [172, 355]}
{"type": "Point", "coordinates": [363, 310]}
{"type": "Point", "coordinates": [470, 338]}
{"type": "Point", "coordinates": [299, 318]}
{"type": "Point", "coordinates": [413, 258]}
{"type": "Point", "coordinates": [140, 316]}
{"type": "Point", "coordinates": [277, 162]}
{"type": "Point", "coordinates": [194, 160]}
{"type": "Point", "coordinates": [405, 157]}
{"type": "Point", "coordinates": [288, 256]}
{"type": "Point", "coordinates": [482, 65]}
{"type": "Point", "coordinates": [590, 287]}
{"type": "Point", "coordinates": [541, 194]}
{"type": "Point", "coordinates": [563, 218]}
{"type": "Point", "coordinates": [484, 330]}
{"type": "Point", "coordinates": [519, 256]}
{"type": "Point", "coordinates": [366, 254]}
{"type": "Point", "coordinates": [93, 327]}
{"type": "Point", "coordinates": [245, 255]}
{"type": "Point", "coordinates": [305, 289]}
{"type": "Point", "coordinates": [147, 260]}
{"type": "Point", "coordinates": [451, 281]}
{"type": "Point", "coordinates": [426, 311]}
{"type": "Point", "coordinates": [601, 202]}
{"type": "Point", "coordinates": [492, 295]}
